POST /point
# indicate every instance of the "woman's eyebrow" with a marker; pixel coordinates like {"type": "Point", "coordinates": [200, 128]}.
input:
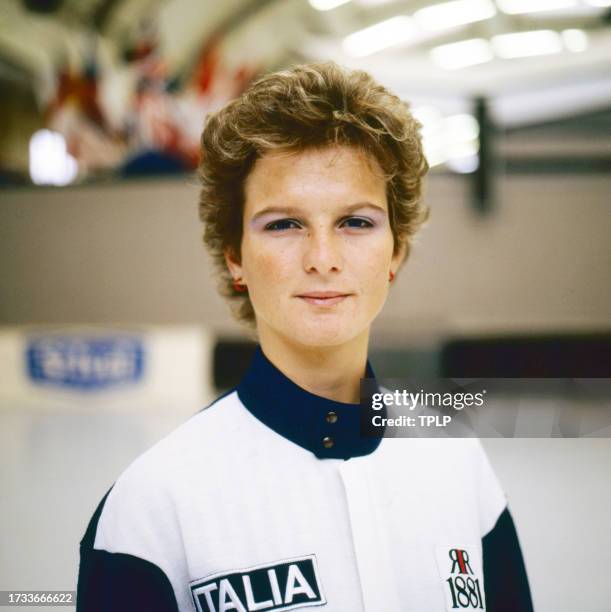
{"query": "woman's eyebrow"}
{"type": "Point", "coordinates": [268, 210]}
{"type": "Point", "coordinates": [291, 210]}
{"type": "Point", "coordinates": [360, 205]}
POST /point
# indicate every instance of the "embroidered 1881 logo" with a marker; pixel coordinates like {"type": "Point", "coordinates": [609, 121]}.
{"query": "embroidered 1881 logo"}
{"type": "Point", "coordinates": [463, 583]}
{"type": "Point", "coordinates": [281, 585]}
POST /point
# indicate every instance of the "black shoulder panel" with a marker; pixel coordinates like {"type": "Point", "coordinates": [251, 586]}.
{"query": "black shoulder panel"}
{"type": "Point", "coordinates": [505, 580]}
{"type": "Point", "coordinates": [89, 537]}
{"type": "Point", "coordinates": [117, 582]}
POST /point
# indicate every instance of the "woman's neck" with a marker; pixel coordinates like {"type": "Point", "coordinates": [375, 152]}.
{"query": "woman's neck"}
{"type": "Point", "coordinates": [333, 372]}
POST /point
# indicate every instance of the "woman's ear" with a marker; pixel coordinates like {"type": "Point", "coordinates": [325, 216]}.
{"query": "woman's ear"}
{"type": "Point", "coordinates": [398, 259]}
{"type": "Point", "coordinates": [233, 264]}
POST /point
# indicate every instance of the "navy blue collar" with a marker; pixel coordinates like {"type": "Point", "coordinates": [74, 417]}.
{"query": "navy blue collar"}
{"type": "Point", "coordinates": [329, 429]}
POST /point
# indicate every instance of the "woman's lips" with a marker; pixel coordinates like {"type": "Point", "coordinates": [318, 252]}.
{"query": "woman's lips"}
{"type": "Point", "coordinates": [324, 298]}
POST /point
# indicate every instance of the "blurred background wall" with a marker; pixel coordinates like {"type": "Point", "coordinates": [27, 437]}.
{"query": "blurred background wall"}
{"type": "Point", "coordinates": [101, 254]}
{"type": "Point", "coordinates": [133, 252]}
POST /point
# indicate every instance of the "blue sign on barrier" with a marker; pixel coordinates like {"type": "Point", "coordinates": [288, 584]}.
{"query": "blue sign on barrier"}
{"type": "Point", "coordinates": [85, 362]}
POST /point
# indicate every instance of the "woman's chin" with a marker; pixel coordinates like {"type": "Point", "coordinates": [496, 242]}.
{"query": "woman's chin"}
{"type": "Point", "coordinates": [321, 334]}
{"type": "Point", "coordinates": [314, 329]}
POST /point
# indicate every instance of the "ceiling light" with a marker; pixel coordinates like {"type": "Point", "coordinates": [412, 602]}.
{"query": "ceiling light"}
{"type": "Point", "coordinates": [327, 5]}
{"type": "Point", "coordinates": [379, 36]}
{"type": "Point", "coordinates": [515, 7]}
{"type": "Point", "coordinates": [374, 2]}
{"type": "Point", "coordinates": [49, 161]}
{"type": "Point", "coordinates": [462, 127]}
{"type": "Point", "coordinates": [575, 40]}
{"type": "Point", "coordinates": [456, 13]}
{"type": "Point", "coordinates": [434, 155]}
{"type": "Point", "coordinates": [462, 54]}
{"type": "Point", "coordinates": [454, 137]}
{"type": "Point", "coordinates": [526, 44]}
{"type": "Point", "coordinates": [456, 150]}
{"type": "Point", "coordinates": [427, 115]}
{"type": "Point", "coordinates": [465, 164]}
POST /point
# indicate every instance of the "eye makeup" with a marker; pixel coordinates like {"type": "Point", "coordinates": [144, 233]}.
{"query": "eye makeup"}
{"type": "Point", "coordinates": [359, 223]}
{"type": "Point", "coordinates": [269, 219]}
{"type": "Point", "coordinates": [356, 223]}
{"type": "Point", "coordinates": [282, 224]}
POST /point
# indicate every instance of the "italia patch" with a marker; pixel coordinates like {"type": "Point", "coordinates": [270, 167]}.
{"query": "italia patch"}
{"type": "Point", "coordinates": [461, 576]}
{"type": "Point", "coordinates": [280, 585]}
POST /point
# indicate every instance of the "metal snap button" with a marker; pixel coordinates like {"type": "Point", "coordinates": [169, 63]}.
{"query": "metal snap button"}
{"type": "Point", "coordinates": [331, 417]}
{"type": "Point", "coordinates": [328, 442]}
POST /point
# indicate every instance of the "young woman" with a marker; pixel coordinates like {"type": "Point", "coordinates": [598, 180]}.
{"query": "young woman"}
{"type": "Point", "coordinates": [269, 499]}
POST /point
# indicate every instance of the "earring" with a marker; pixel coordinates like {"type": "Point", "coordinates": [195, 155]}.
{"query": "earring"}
{"type": "Point", "coordinates": [391, 276]}
{"type": "Point", "coordinates": [239, 287]}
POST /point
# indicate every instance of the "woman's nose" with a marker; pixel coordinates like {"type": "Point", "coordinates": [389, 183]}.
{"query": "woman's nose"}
{"type": "Point", "coordinates": [323, 252]}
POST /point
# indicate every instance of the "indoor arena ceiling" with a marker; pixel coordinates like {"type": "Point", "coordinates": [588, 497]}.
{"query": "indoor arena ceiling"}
{"type": "Point", "coordinates": [539, 57]}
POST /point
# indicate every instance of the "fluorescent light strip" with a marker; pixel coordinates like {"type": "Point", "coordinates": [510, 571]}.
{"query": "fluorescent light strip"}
{"type": "Point", "coordinates": [575, 40]}
{"type": "Point", "coordinates": [526, 44]}
{"type": "Point", "coordinates": [464, 164]}
{"type": "Point", "coordinates": [370, 3]}
{"type": "Point", "coordinates": [434, 155]}
{"type": "Point", "coordinates": [49, 160]}
{"type": "Point", "coordinates": [454, 137]}
{"type": "Point", "coordinates": [427, 115]}
{"type": "Point", "coordinates": [517, 7]}
{"type": "Point", "coordinates": [452, 14]}
{"type": "Point", "coordinates": [462, 54]}
{"type": "Point", "coordinates": [379, 36]}
{"type": "Point", "coordinates": [327, 5]}
{"type": "Point", "coordinates": [462, 127]}
{"type": "Point", "coordinates": [458, 150]}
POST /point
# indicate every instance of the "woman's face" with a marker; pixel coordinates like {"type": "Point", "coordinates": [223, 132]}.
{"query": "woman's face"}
{"type": "Point", "coordinates": [317, 246]}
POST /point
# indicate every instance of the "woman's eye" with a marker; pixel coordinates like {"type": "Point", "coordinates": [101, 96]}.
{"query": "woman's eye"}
{"type": "Point", "coordinates": [282, 224]}
{"type": "Point", "coordinates": [358, 223]}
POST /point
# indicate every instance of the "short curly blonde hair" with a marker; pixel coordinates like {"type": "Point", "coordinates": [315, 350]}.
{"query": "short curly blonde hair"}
{"type": "Point", "coordinates": [309, 106]}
